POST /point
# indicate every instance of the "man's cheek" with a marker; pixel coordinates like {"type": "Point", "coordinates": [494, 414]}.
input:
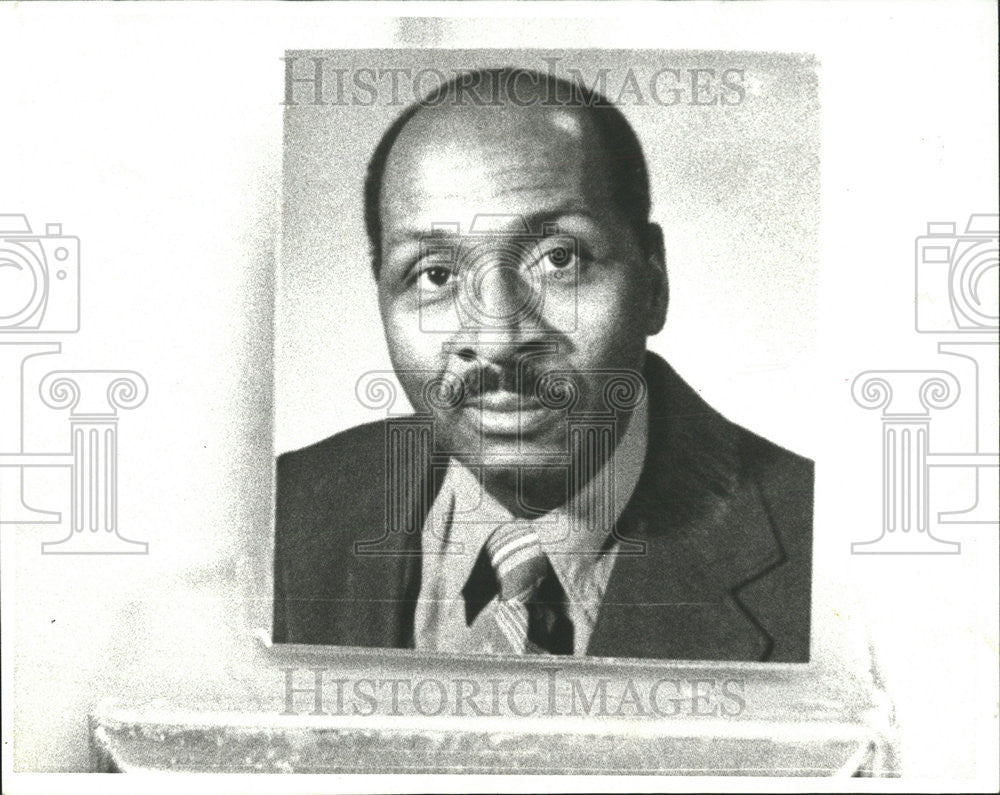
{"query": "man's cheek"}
{"type": "Point", "coordinates": [610, 329]}
{"type": "Point", "coordinates": [405, 341]}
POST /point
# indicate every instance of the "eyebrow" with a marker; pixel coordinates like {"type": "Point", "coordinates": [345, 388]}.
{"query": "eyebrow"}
{"type": "Point", "coordinates": [534, 222]}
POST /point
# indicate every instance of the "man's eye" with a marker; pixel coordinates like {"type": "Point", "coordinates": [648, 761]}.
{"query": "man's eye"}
{"type": "Point", "coordinates": [559, 259]}
{"type": "Point", "coordinates": [433, 278]}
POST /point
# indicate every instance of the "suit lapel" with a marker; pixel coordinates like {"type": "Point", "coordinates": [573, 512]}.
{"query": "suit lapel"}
{"type": "Point", "coordinates": [703, 535]}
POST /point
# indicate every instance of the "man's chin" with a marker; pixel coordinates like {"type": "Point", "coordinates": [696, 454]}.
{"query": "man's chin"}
{"type": "Point", "coordinates": [512, 461]}
{"type": "Point", "coordinates": [514, 450]}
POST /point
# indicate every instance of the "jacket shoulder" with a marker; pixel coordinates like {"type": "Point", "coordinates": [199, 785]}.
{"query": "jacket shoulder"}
{"type": "Point", "coordinates": [772, 464]}
{"type": "Point", "coordinates": [334, 485]}
{"type": "Point", "coordinates": [785, 480]}
{"type": "Point", "coordinates": [336, 460]}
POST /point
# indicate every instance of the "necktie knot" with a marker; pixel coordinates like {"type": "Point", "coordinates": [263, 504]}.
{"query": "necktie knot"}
{"type": "Point", "coordinates": [517, 559]}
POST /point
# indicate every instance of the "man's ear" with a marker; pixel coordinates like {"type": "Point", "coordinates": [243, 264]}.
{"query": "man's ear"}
{"type": "Point", "coordinates": [656, 267]}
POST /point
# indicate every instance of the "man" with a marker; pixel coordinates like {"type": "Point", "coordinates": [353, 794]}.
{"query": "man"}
{"type": "Point", "coordinates": [559, 489]}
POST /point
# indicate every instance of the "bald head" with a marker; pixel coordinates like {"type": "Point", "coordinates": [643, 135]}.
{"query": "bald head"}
{"type": "Point", "coordinates": [519, 130]}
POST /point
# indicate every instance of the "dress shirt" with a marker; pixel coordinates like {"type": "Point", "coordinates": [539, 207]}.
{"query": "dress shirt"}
{"type": "Point", "coordinates": [576, 537]}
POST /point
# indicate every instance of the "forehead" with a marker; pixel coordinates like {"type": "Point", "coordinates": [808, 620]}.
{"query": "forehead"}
{"type": "Point", "coordinates": [450, 163]}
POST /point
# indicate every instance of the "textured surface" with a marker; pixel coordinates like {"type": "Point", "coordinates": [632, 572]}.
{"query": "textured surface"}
{"type": "Point", "coordinates": [791, 721]}
{"type": "Point", "coordinates": [133, 746]}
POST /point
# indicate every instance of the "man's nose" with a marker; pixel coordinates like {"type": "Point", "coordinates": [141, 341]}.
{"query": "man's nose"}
{"type": "Point", "coordinates": [502, 313]}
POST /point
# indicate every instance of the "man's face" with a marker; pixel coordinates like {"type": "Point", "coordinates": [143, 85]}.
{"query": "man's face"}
{"type": "Point", "coordinates": [506, 267]}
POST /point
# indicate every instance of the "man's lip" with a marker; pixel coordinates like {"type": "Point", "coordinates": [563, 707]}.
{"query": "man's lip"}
{"type": "Point", "coordinates": [503, 413]}
{"type": "Point", "coordinates": [504, 401]}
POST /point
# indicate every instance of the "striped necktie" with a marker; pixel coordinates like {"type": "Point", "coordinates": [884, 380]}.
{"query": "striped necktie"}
{"type": "Point", "coordinates": [529, 612]}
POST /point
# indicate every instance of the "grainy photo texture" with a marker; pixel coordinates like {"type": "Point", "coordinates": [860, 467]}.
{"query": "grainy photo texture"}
{"type": "Point", "coordinates": [536, 477]}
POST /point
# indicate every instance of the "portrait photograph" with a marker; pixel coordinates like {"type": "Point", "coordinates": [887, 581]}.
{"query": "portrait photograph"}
{"type": "Point", "coordinates": [494, 267]}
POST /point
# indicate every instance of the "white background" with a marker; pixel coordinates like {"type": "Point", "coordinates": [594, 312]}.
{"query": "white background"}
{"type": "Point", "coordinates": [154, 134]}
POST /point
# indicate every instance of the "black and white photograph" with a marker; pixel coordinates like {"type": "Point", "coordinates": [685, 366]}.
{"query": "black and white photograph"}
{"type": "Point", "coordinates": [499, 397]}
{"type": "Point", "coordinates": [559, 487]}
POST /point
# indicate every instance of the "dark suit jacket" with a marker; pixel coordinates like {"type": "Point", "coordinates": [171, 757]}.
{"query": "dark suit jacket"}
{"type": "Point", "coordinates": [723, 517]}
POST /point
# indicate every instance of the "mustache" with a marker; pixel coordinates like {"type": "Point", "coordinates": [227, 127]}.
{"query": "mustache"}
{"type": "Point", "coordinates": [522, 379]}
{"type": "Point", "coordinates": [528, 378]}
{"type": "Point", "coordinates": [558, 388]}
